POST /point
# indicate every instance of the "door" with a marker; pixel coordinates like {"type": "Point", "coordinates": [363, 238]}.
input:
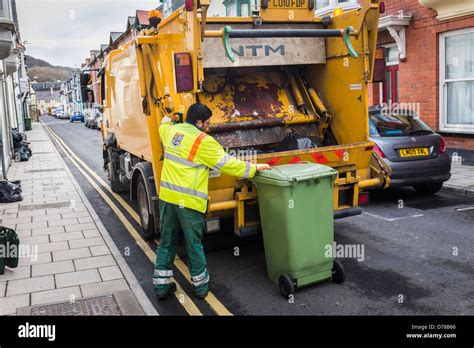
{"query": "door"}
{"type": "Point", "coordinates": [390, 86]}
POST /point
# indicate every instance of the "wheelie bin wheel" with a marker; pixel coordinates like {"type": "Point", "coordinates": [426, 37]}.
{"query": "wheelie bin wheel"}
{"type": "Point", "coordinates": [338, 273]}
{"type": "Point", "coordinates": [287, 285]}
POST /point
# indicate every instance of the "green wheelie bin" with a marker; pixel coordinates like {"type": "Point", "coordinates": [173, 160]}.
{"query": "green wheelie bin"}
{"type": "Point", "coordinates": [28, 124]}
{"type": "Point", "coordinates": [297, 218]}
{"type": "Point", "coordinates": [9, 249]}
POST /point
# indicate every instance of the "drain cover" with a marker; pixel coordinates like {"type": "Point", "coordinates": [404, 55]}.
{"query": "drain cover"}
{"type": "Point", "coordinates": [103, 305]}
{"type": "Point", "coordinates": [44, 206]}
{"type": "Point", "coordinates": [50, 188]}
{"type": "Point", "coordinates": [44, 170]}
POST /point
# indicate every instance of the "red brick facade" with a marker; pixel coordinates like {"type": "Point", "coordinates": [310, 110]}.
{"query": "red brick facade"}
{"type": "Point", "coordinates": [95, 66]}
{"type": "Point", "coordinates": [418, 76]}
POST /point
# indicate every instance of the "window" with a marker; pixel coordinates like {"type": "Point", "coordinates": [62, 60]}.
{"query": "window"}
{"type": "Point", "coordinates": [167, 8]}
{"type": "Point", "coordinates": [391, 54]}
{"type": "Point", "coordinates": [457, 81]}
{"type": "Point", "coordinates": [322, 4]}
{"type": "Point", "coordinates": [325, 7]}
{"type": "Point", "coordinates": [396, 124]}
{"type": "Point", "coordinates": [5, 9]}
{"type": "Point", "coordinates": [243, 8]}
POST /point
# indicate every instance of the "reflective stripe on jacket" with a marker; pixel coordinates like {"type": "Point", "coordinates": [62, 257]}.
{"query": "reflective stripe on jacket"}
{"type": "Point", "coordinates": [189, 154]}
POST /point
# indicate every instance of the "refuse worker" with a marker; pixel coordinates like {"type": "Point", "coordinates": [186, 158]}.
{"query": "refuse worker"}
{"type": "Point", "coordinates": [189, 153]}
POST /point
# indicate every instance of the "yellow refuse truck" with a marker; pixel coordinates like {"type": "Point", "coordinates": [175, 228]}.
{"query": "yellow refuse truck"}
{"type": "Point", "coordinates": [284, 85]}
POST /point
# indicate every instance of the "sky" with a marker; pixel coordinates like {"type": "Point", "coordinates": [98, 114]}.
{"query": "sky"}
{"type": "Point", "coordinates": [63, 32]}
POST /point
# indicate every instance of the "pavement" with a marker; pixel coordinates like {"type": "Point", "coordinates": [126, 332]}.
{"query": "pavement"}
{"type": "Point", "coordinates": [462, 178]}
{"type": "Point", "coordinates": [69, 263]}
{"type": "Point", "coordinates": [417, 258]}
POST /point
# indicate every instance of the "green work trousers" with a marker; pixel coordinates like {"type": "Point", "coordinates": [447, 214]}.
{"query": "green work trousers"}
{"type": "Point", "coordinates": [172, 219]}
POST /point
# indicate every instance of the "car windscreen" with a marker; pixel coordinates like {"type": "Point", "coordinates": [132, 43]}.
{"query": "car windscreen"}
{"type": "Point", "coordinates": [396, 124]}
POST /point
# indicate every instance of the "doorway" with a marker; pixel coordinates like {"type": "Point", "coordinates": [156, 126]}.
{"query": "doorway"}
{"type": "Point", "coordinates": [389, 88]}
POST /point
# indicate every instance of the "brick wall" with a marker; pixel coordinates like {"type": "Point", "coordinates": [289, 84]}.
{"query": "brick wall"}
{"type": "Point", "coordinates": [459, 141]}
{"type": "Point", "coordinates": [419, 74]}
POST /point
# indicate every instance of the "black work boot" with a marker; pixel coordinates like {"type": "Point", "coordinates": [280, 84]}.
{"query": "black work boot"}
{"type": "Point", "coordinates": [170, 291]}
{"type": "Point", "coordinates": [202, 296]}
{"type": "Point", "coordinates": [201, 293]}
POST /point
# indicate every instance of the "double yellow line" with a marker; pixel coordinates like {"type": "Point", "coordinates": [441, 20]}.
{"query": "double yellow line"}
{"type": "Point", "coordinates": [180, 294]}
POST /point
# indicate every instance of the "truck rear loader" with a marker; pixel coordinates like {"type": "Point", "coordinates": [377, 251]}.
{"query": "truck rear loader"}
{"type": "Point", "coordinates": [284, 85]}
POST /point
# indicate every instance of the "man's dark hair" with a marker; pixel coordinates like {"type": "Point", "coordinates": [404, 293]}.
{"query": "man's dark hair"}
{"type": "Point", "coordinates": [197, 112]}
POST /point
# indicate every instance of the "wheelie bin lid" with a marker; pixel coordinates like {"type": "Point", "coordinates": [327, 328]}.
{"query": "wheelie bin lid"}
{"type": "Point", "coordinates": [289, 174]}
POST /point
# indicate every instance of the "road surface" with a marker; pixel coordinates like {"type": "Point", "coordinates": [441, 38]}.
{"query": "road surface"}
{"type": "Point", "coordinates": [417, 253]}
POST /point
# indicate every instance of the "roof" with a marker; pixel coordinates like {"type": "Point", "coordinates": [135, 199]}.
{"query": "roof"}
{"type": "Point", "coordinates": [130, 22]}
{"type": "Point", "coordinates": [114, 35]}
{"type": "Point", "coordinates": [46, 95]}
{"type": "Point", "coordinates": [141, 19]}
{"type": "Point", "coordinates": [103, 47]}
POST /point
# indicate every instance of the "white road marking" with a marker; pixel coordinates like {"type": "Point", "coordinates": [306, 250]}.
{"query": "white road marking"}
{"type": "Point", "coordinates": [464, 209]}
{"type": "Point", "coordinates": [394, 219]}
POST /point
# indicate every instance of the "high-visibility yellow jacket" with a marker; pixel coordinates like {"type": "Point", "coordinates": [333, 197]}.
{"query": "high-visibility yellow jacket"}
{"type": "Point", "coordinates": [189, 154]}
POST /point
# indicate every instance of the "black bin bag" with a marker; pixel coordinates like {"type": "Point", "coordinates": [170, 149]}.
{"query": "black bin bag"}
{"type": "Point", "coordinates": [10, 191]}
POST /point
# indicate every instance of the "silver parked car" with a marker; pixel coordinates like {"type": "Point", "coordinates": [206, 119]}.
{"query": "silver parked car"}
{"type": "Point", "coordinates": [62, 115]}
{"type": "Point", "coordinates": [416, 154]}
{"type": "Point", "coordinates": [92, 117]}
{"type": "Point", "coordinates": [99, 122]}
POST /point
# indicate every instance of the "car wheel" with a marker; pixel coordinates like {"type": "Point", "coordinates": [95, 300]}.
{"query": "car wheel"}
{"type": "Point", "coordinates": [428, 189]}
{"type": "Point", "coordinates": [146, 219]}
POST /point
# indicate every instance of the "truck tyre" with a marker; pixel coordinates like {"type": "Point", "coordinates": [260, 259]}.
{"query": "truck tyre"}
{"type": "Point", "coordinates": [146, 219]}
{"type": "Point", "coordinates": [428, 189]}
{"type": "Point", "coordinates": [112, 173]}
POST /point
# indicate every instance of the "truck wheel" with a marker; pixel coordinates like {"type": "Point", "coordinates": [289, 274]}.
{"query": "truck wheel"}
{"type": "Point", "coordinates": [112, 173]}
{"type": "Point", "coordinates": [287, 285]}
{"type": "Point", "coordinates": [338, 273]}
{"type": "Point", "coordinates": [146, 219]}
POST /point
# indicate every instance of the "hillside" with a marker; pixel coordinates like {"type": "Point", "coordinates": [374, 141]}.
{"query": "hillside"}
{"type": "Point", "coordinates": [43, 71]}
